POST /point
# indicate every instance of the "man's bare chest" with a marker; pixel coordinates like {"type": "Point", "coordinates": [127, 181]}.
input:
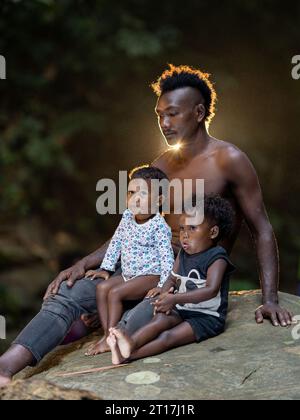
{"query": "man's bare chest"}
{"type": "Point", "coordinates": [203, 169]}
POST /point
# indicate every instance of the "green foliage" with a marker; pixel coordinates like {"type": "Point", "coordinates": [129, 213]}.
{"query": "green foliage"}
{"type": "Point", "coordinates": [8, 301]}
{"type": "Point", "coordinates": [63, 66]}
{"type": "Point", "coordinates": [27, 154]}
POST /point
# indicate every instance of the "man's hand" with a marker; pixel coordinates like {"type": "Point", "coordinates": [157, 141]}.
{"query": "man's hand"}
{"type": "Point", "coordinates": [165, 303]}
{"type": "Point", "coordinates": [70, 275]}
{"type": "Point", "coordinates": [103, 274]}
{"type": "Point", "coordinates": [153, 293]}
{"type": "Point", "coordinates": [277, 315]}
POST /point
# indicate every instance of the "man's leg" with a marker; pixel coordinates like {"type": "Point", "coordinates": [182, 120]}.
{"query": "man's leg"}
{"type": "Point", "coordinates": [88, 322]}
{"type": "Point", "coordinates": [12, 362]}
{"type": "Point", "coordinates": [138, 317]}
{"type": "Point", "coordinates": [47, 330]}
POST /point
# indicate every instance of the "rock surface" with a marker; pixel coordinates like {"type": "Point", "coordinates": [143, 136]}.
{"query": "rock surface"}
{"type": "Point", "coordinates": [42, 390]}
{"type": "Point", "coordinates": [248, 361]}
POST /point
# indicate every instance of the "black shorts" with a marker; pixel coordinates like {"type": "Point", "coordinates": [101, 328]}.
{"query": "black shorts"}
{"type": "Point", "coordinates": [204, 326]}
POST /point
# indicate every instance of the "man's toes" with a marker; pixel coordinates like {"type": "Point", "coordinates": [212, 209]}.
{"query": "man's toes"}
{"type": "Point", "coordinates": [90, 351]}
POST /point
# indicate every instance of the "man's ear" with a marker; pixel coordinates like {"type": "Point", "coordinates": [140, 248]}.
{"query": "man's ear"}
{"type": "Point", "coordinates": [214, 232]}
{"type": "Point", "coordinates": [200, 110]}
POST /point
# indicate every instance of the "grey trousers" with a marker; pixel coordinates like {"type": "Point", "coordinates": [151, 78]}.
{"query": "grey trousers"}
{"type": "Point", "coordinates": [51, 325]}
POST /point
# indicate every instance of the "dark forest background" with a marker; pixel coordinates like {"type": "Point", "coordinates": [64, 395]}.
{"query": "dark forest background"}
{"type": "Point", "coordinates": [76, 107]}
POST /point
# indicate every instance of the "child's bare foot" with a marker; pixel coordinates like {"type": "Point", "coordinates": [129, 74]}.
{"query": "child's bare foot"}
{"type": "Point", "coordinates": [116, 357]}
{"type": "Point", "coordinates": [125, 343]}
{"type": "Point", "coordinates": [98, 348]}
{"type": "Point", "coordinates": [4, 381]}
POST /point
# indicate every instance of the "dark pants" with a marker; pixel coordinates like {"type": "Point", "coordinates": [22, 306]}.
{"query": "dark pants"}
{"type": "Point", "coordinates": [51, 325]}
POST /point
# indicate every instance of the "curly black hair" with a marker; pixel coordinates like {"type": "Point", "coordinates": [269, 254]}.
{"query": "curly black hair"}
{"type": "Point", "coordinates": [177, 77]}
{"type": "Point", "coordinates": [218, 211]}
{"type": "Point", "coordinates": [147, 172]}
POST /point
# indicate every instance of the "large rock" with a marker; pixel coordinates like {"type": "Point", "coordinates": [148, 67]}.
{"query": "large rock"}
{"type": "Point", "coordinates": [248, 361]}
{"type": "Point", "coordinates": [42, 390]}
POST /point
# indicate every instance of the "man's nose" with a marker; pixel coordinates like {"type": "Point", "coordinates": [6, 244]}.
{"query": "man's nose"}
{"type": "Point", "coordinates": [165, 123]}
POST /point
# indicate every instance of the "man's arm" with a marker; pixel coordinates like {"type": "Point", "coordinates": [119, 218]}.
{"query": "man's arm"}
{"type": "Point", "coordinates": [247, 191]}
{"type": "Point", "coordinates": [95, 258]}
{"type": "Point", "coordinates": [77, 271]}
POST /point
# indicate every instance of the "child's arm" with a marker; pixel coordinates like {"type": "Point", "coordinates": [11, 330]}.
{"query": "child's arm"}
{"type": "Point", "coordinates": [113, 252]}
{"type": "Point", "coordinates": [171, 281]}
{"type": "Point", "coordinates": [169, 285]}
{"type": "Point", "coordinates": [215, 275]}
{"type": "Point", "coordinates": [163, 242]}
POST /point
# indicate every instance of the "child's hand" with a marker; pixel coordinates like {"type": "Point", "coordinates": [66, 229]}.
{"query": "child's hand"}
{"type": "Point", "coordinates": [165, 303]}
{"type": "Point", "coordinates": [171, 291]}
{"type": "Point", "coordinates": [153, 292]}
{"type": "Point", "coordinates": [97, 274]}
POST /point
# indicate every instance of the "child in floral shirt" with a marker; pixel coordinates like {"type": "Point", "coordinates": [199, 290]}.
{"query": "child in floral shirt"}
{"type": "Point", "coordinates": [143, 241]}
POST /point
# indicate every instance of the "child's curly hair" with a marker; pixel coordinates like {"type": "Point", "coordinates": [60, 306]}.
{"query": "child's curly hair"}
{"type": "Point", "coordinates": [218, 211]}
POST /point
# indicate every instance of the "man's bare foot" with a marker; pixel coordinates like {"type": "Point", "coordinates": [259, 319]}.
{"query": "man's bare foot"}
{"type": "Point", "coordinates": [125, 343]}
{"type": "Point", "coordinates": [116, 357]}
{"type": "Point", "coordinates": [98, 348]}
{"type": "Point", "coordinates": [4, 381]}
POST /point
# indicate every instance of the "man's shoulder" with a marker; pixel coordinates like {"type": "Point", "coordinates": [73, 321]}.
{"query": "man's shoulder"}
{"type": "Point", "coordinates": [235, 163]}
{"type": "Point", "coordinates": [227, 150]}
{"type": "Point", "coordinates": [228, 155]}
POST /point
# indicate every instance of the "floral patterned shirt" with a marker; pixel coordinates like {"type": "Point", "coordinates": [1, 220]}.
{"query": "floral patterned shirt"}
{"type": "Point", "coordinates": [144, 248]}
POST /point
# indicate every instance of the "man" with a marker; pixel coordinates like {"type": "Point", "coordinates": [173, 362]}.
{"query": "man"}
{"type": "Point", "coordinates": [185, 107]}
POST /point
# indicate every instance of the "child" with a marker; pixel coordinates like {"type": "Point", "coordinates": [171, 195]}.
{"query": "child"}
{"type": "Point", "coordinates": [201, 278]}
{"type": "Point", "coordinates": [143, 241]}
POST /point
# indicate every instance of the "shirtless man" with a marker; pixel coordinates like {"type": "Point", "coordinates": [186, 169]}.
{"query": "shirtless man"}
{"type": "Point", "coordinates": [185, 106]}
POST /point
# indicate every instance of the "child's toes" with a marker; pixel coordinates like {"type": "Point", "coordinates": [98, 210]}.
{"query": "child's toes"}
{"type": "Point", "coordinates": [111, 341]}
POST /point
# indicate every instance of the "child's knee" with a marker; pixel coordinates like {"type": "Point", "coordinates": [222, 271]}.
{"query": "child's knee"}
{"type": "Point", "coordinates": [115, 294]}
{"type": "Point", "coordinates": [102, 288]}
